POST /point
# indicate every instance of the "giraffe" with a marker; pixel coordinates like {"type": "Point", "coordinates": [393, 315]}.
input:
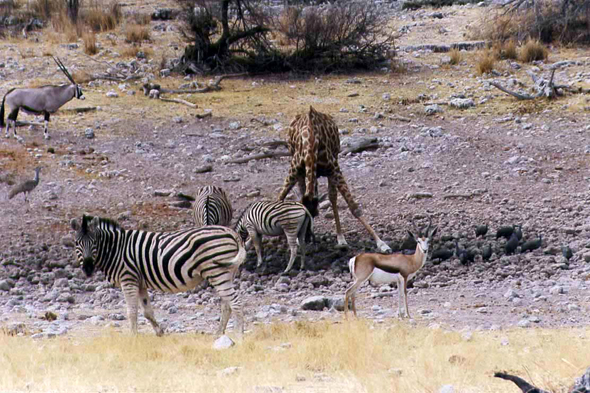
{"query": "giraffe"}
{"type": "Point", "coordinates": [314, 145]}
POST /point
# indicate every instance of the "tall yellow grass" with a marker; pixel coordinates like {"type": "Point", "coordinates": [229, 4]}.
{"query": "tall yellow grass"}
{"type": "Point", "coordinates": [356, 356]}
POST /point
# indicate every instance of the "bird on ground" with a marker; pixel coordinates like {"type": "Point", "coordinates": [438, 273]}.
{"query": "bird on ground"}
{"type": "Point", "coordinates": [518, 232]}
{"type": "Point", "coordinates": [531, 245]}
{"type": "Point", "coordinates": [511, 244]}
{"type": "Point", "coordinates": [441, 254]}
{"type": "Point", "coordinates": [486, 252]}
{"type": "Point", "coordinates": [25, 187]}
{"type": "Point", "coordinates": [566, 251]}
{"type": "Point", "coordinates": [464, 255]}
{"type": "Point", "coordinates": [481, 230]}
{"type": "Point", "coordinates": [505, 232]}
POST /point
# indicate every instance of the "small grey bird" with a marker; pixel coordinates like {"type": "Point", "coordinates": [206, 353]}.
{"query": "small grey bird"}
{"type": "Point", "coordinates": [486, 253]}
{"type": "Point", "coordinates": [481, 230]}
{"type": "Point", "coordinates": [566, 251]}
{"type": "Point", "coordinates": [25, 187]}
{"type": "Point", "coordinates": [511, 244]}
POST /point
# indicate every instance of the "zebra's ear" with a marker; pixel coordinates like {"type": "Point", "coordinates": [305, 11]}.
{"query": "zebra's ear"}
{"type": "Point", "coordinates": [74, 224]}
{"type": "Point", "coordinates": [94, 223]}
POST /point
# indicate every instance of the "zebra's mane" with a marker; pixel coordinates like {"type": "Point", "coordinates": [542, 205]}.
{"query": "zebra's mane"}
{"type": "Point", "coordinates": [103, 221]}
{"type": "Point", "coordinates": [243, 212]}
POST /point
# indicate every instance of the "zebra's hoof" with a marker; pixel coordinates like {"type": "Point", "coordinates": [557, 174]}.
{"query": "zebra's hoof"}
{"type": "Point", "coordinates": [46, 137]}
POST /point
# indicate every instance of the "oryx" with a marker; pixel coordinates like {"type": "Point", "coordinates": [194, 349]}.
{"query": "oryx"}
{"type": "Point", "coordinates": [42, 100]}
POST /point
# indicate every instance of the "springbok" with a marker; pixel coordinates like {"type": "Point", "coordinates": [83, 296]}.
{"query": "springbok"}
{"type": "Point", "coordinates": [381, 269]}
{"type": "Point", "coordinates": [42, 100]}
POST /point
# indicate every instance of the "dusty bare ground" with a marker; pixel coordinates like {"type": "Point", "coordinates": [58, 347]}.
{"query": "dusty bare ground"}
{"type": "Point", "coordinates": [501, 162]}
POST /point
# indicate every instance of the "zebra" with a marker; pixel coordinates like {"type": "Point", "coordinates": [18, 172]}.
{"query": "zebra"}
{"type": "Point", "coordinates": [274, 218]}
{"type": "Point", "coordinates": [43, 100]}
{"type": "Point", "coordinates": [212, 207]}
{"type": "Point", "coordinates": [170, 262]}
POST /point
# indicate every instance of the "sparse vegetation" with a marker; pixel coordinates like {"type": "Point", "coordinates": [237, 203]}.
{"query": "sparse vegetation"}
{"type": "Point", "coordinates": [100, 18]}
{"type": "Point", "coordinates": [485, 62]}
{"type": "Point", "coordinates": [532, 51]}
{"type": "Point", "coordinates": [455, 56]}
{"type": "Point", "coordinates": [505, 50]}
{"type": "Point", "coordinates": [90, 47]}
{"type": "Point", "coordinates": [355, 356]}
{"type": "Point", "coordinates": [135, 33]}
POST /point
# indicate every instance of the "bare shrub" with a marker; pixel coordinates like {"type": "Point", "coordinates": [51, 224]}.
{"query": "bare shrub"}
{"type": "Point", "coordinates": [485, 63]}
{"type": "Point", "coordinates": [565, 21]}
{"type": "Point", "coordinates": [532, 51]}
{"type": "Point", "coordinates": [90, 47]}
{"type": "Point", "coordinates": [81, 76]}
{"type": "Point", "coordinates": [343, 35]}
{"type": "Point", "coordinates": [142, 19]}
{"type": "Point", "coordinates": [61, 23]}
{"type": "Point", "coordinates": [45, 9]}
{"type": "Point", "coordinates": [101, 18]}
{"type": "Point", "coordinates": [136, 33]}
{"type": "Point", "coordinates": [455, 56]}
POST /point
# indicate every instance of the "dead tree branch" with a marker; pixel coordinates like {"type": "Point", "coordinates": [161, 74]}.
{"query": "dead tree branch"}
{"type": "Point", "coordinates": [262, 156]}
{"type": "Point", "coordinates": [523, 385]}
{"type": "Point", "coordinates": [513, 93]}
{"type": "Point", "coordinates": [179, 101]}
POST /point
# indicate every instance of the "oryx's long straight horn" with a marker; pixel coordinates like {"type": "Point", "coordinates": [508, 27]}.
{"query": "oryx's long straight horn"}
{"type": "Point", "coordinates": [64, 69]}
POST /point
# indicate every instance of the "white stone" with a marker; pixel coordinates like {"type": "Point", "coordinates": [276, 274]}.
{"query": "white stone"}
{"type": "Point", "coordinates": [223, 342]}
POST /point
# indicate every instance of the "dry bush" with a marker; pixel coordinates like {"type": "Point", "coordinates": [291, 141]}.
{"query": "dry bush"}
{"type": "Point", "coordinates": [505, 50]}
{"type": "Point", "coordinates": [532, 51]}
{"type": "Point", "coordinates": [90, 47]}
{"type": "Point", "coordinates": [131, 51]}
{"type": "Point", "coordinates": [566, 21]}
{"type": "Point", "coordinates": [81, 76]}
{"type": "Point", "coordinates": [455, 56]}
{"type": "Point", "coordinates": [45, 9]}
{"type": "Point", "coordinates": [61, 23]}
{"type": "Point", "coordinates": [100, 18]}
{"type": "Point", "coordinates": [142, 19]}
{"type": "Point", "coordinates": [485, 63]}
{"type": "Point", "coordinates": [136, 33]}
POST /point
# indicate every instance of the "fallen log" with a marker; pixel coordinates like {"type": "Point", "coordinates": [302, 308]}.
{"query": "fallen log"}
{"type": "Point", "coordinates": [262, 156]}
{"type": "Point", "coordinates": [361, 145]}
{"type": "Point", "coordinates": [179, 101]}
{"type": "Point", "coordinates": [523, 385]}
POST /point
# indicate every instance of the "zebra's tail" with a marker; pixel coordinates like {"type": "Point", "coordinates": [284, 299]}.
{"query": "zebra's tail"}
{"type": "Point", "coordinates": [241, 255]}
{"type": "Point", "coordinates": [308, 225]}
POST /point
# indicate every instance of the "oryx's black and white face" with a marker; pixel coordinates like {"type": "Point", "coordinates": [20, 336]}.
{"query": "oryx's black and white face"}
{"type": "Point", "coordinates": [79, 95]}
{"type": "Point", "coordinates": [424, 241]}
{"type": "Point", "coordinates": [86, 245]}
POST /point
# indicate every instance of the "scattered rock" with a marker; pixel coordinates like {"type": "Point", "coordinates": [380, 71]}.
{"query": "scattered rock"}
{"type": "Point", "coordinates": [461, 103]}
{"type": "Point", "coordinates": [223, 342]}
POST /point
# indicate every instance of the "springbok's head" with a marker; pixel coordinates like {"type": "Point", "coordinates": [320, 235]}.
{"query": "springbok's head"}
{"type": "Point", "coordinates": [424, 236]}
{"type": "Point", "coordinates": [86, 244]}
{"type": "Point", "coordinates": [78, 90]}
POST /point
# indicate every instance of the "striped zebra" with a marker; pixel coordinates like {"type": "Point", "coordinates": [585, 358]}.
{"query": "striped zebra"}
{"type": "Point", "coordinates": [212, 207]}
{"type": "Point", "coordinates": [169, 262]}
{"type": "Point", "coordinates": [273, 219]}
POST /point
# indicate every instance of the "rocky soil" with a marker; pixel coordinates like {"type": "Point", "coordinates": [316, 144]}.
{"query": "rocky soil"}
{"type": "Point", "coordinates": [501, 164]}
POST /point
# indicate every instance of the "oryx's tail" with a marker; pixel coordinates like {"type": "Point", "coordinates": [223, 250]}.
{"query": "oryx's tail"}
{"type": "Point", "coordinates": [2, 108]}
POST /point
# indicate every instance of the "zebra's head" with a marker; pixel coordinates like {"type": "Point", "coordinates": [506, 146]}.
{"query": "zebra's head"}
{"type": "Point", "coordinates": [86, 248]}
{"type": "Point", "coordinates": [311, 203]}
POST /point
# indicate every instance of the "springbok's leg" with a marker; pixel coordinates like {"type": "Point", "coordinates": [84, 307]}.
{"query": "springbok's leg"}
{"type": "Point", "coordinates": [148, 311]}
{"type": "Point", "coordinates": [356, 211]}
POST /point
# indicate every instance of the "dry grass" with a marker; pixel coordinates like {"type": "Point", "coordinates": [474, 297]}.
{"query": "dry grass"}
{"type": "Point", "coordinates": [90, 47]}
{"type": "Point", "coordinates": [350, 357]}
{"type": "Point", "coordinates": [101, 18]}
{"type": "Point", "coordinates": [455, 56]}
{"type": "Point", "coordinates": [485, 62]}
{"type": "Point", "coordinates": [131, 51]}
{"type": "Point", "coordinates": [47, 8]}
{"type": "Point", "coordinates": [505, 50]}
{"type": "Point", "coordinates": [532, 51]}
{"type": "Point", "coordinates": [135, 33]}
{"type": "Point", "coordinates": [142, 19]}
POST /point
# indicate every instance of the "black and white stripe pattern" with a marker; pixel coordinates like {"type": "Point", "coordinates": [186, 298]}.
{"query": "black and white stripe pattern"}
{"type": "Point", "coordinates": [212, 207]}
{"type": "Point", "coordinates": [168, 261]}
{"type": "Point", "coordinates": [274, 219]}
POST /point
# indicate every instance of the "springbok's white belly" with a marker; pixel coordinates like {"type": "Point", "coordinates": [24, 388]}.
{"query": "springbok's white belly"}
{"type": "Point", "coordinates": [381, 277]}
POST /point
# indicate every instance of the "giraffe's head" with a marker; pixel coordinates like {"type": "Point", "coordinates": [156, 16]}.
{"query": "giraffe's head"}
{"type": "Point", "coordinates": [311, 204]}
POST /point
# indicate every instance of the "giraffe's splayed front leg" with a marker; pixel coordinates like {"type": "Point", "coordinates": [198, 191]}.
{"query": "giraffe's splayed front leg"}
{"type": "Point", "coordinates": [383, 247]}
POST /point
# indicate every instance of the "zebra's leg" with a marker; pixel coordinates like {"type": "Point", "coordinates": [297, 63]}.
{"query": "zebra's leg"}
{"type": "Point", "coordinates": [257, 241]}
{"type": "Point", "coordinates": [130, 291]}
{"type": "Point", "coordinates": [230, 300]}
{"type": "Point", "coordinates": [225, 313]}
{"type": "Point", "coordinates": [45, 133]}
{"type": "Point", "coordinates": [148, 311]}
{"type": "Point", "coordinates": [301, 239]}
{"type": "Point", "coordinates": [292, 242]}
